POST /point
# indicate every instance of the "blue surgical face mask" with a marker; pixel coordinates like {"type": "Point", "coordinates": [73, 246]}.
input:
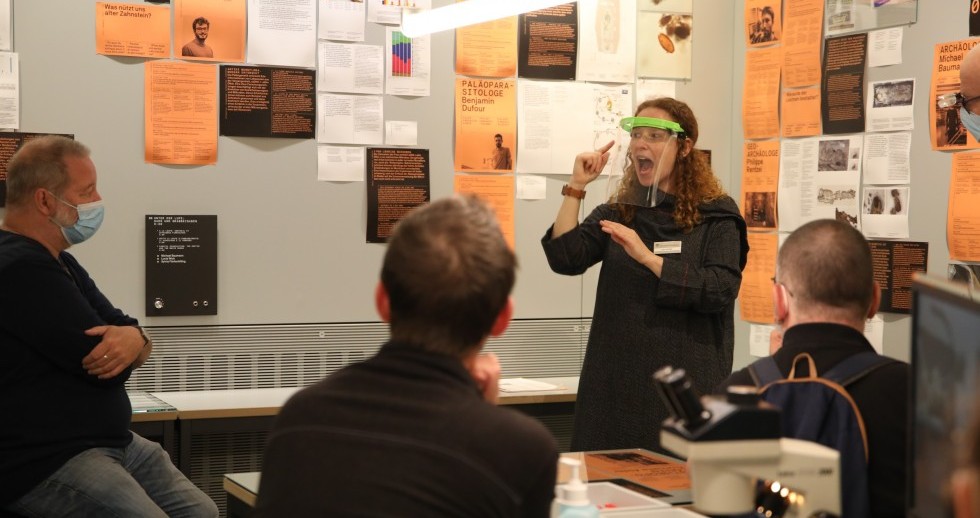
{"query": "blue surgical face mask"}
{"type": "Point", "coordinates": [89, 220]}
{"type": "Point", "coordinates": [971, 122]}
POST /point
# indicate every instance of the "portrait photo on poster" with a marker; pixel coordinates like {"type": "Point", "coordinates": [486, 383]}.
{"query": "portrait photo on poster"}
{"type": "Point", "coordinates": [762, 24]}
{"type": "Point", "coordinates": [949, 128]}
{"type": "Point", "coordinates": [760, 209]}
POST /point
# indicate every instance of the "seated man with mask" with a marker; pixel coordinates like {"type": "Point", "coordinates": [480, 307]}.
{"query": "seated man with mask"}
{"type": "Point", "coordinates": [65, 445]}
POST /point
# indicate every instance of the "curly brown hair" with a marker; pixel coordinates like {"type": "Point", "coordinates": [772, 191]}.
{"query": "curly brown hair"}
{"type": "Point", "coordinates": [694, 182]}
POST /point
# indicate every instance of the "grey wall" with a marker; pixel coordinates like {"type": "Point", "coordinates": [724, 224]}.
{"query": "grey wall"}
{"type": "Point", "coordinates": [938, 21]}
{"type": "Point", "coordinates": [291, 249]}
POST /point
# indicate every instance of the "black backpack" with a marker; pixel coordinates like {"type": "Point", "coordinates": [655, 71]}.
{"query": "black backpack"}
{"type": "Point", "coordinates": [818, 408]}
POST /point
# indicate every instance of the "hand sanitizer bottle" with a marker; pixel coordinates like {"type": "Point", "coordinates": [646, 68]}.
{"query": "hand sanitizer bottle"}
{"type": "Point", "coordinates": [573, 496]}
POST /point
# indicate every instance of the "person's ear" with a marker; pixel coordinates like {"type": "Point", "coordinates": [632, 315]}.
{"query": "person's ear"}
{"type": "Point", "coordinates": [687, 147]}
{"type": "Point", "coordinates": [963, 489]}
{"type": "Point", "coordinates": [382, 303]}
{"type": "Point", "coordinates": [503, 318]}
{"type": "Point", "coordinates": [875, 299]}
{"type": "Point", "coordinates": [780, 302]}
{"type": "Point", "coordinates": [43, 202]}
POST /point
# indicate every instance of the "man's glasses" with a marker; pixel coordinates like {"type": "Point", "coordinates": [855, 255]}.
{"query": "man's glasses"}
{"type": "Point", "coordinates": [774, 281]}
{"type": "Point", "coordinates": [950, 100]}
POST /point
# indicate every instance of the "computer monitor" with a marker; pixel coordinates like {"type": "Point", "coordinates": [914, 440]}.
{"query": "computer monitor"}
{"type": "Point", "coordinates": [945, 361]}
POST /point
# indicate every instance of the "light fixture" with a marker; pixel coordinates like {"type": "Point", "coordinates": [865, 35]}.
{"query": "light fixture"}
{"type": "Point", "coordinates": [416, 22]}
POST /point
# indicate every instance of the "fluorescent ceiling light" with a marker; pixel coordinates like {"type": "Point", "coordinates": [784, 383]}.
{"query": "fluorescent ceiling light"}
{"type": "Point", "coordinates": [419, 23]}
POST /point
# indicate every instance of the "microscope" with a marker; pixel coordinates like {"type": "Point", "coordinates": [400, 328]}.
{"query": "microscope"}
{"type": "Point", "coordinates": [731, 443]}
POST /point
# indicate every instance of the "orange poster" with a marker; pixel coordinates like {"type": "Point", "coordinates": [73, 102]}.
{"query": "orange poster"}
{"type": "Point", "coordinates": [498, 192]}
{"type": "Point", "coordinates": [760, 93]}
{"type": "Point", "coordinates": [641, 466]}
{"type": "Point", "coordinates": [181, 113]}
{"type": "Point", "coordinates": [486, 125]}
{"type": "Point", "coordinates": [755, 296]}
{"type": "Point", "coordinates": [487, 49]}
{"type": "Point", "coordinates": [946, 132]}
{"type": "Point", "coordinates": [762, 22]}
{"type": "Point", "coordinates": [802, 39]}
{"type": "Point", "coordinates": [963, 216]}
{"type": "Point", "coordinates": [210, 30]}
{"type": "Point", "coordinates": [801, 112]}
{"type": "Point", "coordinates": [132, 30]}
{"type": "Point", "coordinates": [760, 181]}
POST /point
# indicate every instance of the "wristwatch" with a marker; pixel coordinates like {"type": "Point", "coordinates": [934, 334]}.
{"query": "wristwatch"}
{"type": "Point", "coordinates": [568, 190]}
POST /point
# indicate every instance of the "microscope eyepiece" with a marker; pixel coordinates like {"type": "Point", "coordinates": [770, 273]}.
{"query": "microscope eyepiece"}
{"type": "Point", "coordinates": [676, 391]}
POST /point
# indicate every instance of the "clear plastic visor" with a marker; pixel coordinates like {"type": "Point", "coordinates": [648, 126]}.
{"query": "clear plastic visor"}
{"type": "Point", "coordinates": [653, 151]}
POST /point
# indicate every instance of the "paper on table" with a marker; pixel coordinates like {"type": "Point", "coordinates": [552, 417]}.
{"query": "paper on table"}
{"type": "Point", "coordinates": [524, 385]}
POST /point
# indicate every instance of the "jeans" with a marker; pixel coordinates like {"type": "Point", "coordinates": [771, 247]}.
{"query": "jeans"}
{"type": "Point", "coordinates": [138, 480]}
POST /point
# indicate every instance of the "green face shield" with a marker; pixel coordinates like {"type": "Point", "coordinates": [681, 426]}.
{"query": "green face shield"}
{"type": "Point", "coordinates": [655, 145]}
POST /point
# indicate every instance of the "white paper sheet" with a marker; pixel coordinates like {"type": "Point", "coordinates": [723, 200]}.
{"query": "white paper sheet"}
{"type": "Point", "coordinates": [350, 68]}
{"type": "Point", "coordinates": [524, 385]}
{"type": "Point", "coordinates": [407, 64]}
{"type": "Point", "coordinates": [607, 41]}
{"type": "Point", "coordinates": [349, 119]}
{"type": "Point", "coordinates": [9, 90]}
{"type": "Point", "coordinates": [885, 211]}
{"type": "Point", "coordinates": [390, 11]}
{"type": "Point", "coordinates": [401, 133]}
{"type": "Point", "coordinates": [886, 158]}
{"type": "Point", "coordinates": [341, 20]}
{"type": "Point", "coordinates": [874, 331]}
{"type": "Point", "coordinates": [282, 32]}
{"type": "Point", "coordinates": [665, 44]}
{"type": "Point", "coordinates": [819, 178]}
{"type": "Point", "coordinates": [340, 164]}
{"type": "Point", "coordinates": [6, 27]}
{"type": "Point", "coordinates": [530, 187]}
{"type": "Point", "coordinates": [550, 134]}
{"type": "Point", "coordinates": [885, 47]}
{"type": "Point", "coordinates": [654, 89]}
{"type": "Point", "coordinates": [759, 339]}
{"type": "Point", "coordinates": [889, 105]}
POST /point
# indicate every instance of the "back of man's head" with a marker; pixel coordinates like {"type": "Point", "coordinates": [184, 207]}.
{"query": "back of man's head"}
{"type": "Point", "coordinates": [826, 265]}
{"type": "Point", "coordinates": [448, 273]}
{"type": "Point", "coordinates": [40, 164]}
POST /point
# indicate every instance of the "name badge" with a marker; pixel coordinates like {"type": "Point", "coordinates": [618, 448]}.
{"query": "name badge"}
{"type": "Point", "coordinates": [667, 247]}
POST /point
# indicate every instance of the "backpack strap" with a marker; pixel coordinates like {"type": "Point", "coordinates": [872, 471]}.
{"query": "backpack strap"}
{"type": "Point", "coordinates": [855, 367]}
{"type": "Point", "coordinates": [765, 371]}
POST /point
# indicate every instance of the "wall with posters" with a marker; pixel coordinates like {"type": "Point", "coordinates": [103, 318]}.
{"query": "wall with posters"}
{"type": "Point", "coordinates": [930, 170]}
{"type": "Point", "coordinates": [292, 249]}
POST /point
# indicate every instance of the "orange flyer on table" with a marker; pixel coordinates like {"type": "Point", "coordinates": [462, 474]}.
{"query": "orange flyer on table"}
{"type": "Point", "coordinates": [498, 192]}
{"type": "Point", "coordinates": [963, 216]}
{"type": "Point", "coordinates": [802, 40]}
{"type": "Point", "coordinates": [801, 112]}
{"type": "Point", "coordinates": [132, 30]}
{"type": "Point", "coordinates": [755, 296]}
{"type": "Point", "coordinates": [639, 466]}
{"type": "Point", "coordinates": [760, 93]}
{"type": "Point", "coordinates": [181, 113]}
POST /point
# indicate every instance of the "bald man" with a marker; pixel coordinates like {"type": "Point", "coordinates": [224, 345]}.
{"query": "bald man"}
{"type": "Point", "coordinates": [969, 95]}
{"type": "Point", "coordinates": [823, 292]}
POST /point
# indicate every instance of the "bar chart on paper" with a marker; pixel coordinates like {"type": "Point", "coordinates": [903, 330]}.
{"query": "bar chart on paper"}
{"type": "Point", "coordinates": [401, 55]}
